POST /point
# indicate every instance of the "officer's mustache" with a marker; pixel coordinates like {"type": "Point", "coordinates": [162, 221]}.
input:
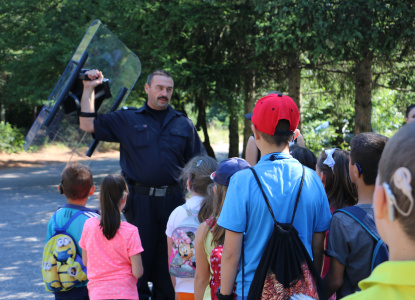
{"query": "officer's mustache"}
{"type": "Point", "coordinates": [162, 98]}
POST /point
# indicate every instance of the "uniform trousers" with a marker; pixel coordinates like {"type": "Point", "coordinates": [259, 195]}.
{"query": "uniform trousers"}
{"type": "Point", "coordinates": [150, 214]}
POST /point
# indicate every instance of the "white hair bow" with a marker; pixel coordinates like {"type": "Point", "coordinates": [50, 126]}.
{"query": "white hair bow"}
{"type": "Point", "coordinates": [329, 160]}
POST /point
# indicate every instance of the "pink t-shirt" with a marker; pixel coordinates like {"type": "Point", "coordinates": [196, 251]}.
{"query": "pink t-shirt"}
{"type": "Point", "coordinates": [109, 268]}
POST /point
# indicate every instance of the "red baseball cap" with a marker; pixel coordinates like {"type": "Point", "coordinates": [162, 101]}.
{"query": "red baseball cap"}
{"type": "Point", "coordinates": [272, 108]}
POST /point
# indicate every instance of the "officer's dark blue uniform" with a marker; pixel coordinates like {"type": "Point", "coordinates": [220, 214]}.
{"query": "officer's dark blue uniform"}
{"type": "Point", "coordinates": [152, 155]}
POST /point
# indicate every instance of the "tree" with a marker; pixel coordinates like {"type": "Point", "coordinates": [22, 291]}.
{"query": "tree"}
{"type": "Point", "coordinates": [37, 39]}
{"type": "Point", "coordinates": [368, 32]}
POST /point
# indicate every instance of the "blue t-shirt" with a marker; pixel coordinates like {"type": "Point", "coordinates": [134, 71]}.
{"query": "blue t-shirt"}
{"type": "Point", "coordinates": [75, 229]}
{"type": "Point", "coordinates": [245, 209]}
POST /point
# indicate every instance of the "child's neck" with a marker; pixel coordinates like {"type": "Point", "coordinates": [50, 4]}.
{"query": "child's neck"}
{"type": "Point", "coordinates": [192, 194]}
{"type": "Point", "coordinates": [79, 202]}
{"type": "Point", "coordinates": [401, 247]}
{"type": "Point", "coordinates": [267, 148]}
{"type": "Point", "coordinates": [365, 193]}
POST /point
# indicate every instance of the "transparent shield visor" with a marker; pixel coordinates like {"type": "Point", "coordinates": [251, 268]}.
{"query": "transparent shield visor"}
{"type": "Point", "coordinates": [58, 121]}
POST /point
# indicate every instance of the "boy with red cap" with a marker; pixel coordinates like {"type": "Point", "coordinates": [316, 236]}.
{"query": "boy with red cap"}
{"type": "Point", "coordinates": [274, 120]}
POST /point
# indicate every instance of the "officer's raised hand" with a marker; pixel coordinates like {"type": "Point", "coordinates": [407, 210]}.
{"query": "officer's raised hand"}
{"type": "Point", "coordinates": [95, 77]}
{"type": "Point", "coordinates": [86, 120]}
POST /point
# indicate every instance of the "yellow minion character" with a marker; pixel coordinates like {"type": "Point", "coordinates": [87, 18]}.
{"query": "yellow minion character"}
{"type": "Point", "coordinates": [71, 274]}
{"type": "Point", "coordinates": [50, 275]}
{"type": "Point", "coordinates": [65, 248]}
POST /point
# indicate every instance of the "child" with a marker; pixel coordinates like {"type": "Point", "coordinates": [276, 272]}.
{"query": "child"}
{"type": "Point", "coordinates": [245, 214]}
{"type": "Point", "coordinates": [210, 235]}
{"type": "Point", "coordinates": [393, 203]}
{"type": "Point", "coordinates": [76, 184]}
{"type": "Point", "coordinates": [196, 176]}
{"type": "Point", "coordinates": [333, 169]}
{"type": "Point", "coordinates": [410, 114]}
{"type": "Point", "coordinates": [349, 245]}
{"type": "Point", "coordinates": [110, 247]}
{"type": "Point", "coordinates": [305, 156]}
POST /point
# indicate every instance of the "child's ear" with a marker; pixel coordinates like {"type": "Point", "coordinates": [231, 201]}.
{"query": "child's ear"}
{"type": "Point", "coordinates": [380, 203]}
{"type": "Point", "coordinates": [215, 189]}
{"type": "Point", "coordinates": [60, 189]}
{"type": "Point", "coordinates": [255, 131]}
{"type": "Point", "coordinates": [296, 133]}
{"type": "Point", "coordinates": [92, 190]}
{"type": "Point", "coordinates": [354, 173]}
{"type": "Point", "coordinates": [323, 178]}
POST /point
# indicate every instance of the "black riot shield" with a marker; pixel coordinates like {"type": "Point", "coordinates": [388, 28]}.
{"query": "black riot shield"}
{"type": "Point", "coordinates": [58, 120]}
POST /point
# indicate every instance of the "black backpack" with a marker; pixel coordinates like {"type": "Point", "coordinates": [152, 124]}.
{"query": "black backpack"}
{"type": "Point", "coordinates": [285, 269]}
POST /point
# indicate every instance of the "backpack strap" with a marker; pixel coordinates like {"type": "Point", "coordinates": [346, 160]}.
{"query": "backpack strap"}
{"type": "Point", "coordinates": [189, 211]}
{"type": "Point", "coordinates": [65, 227]}
{"type": "Point", "coordinates": [266, 198]}
{"type": "Point", "coordinates": [273, 217]}
{"type": "Point", "coordinates": [363, 218]}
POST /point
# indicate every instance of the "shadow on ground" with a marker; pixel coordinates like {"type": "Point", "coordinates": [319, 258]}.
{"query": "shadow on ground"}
{"type": "Point", "coordinates": [28, 198]}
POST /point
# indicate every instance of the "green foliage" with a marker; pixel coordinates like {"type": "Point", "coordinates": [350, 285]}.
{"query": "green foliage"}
{"type": "Point", "coordinates": [221, 52]}
{"type": "Point", "coordinates": [11, 138]}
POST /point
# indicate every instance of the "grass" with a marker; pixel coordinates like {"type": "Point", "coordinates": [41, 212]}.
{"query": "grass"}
{"type": "Point", "coordinates": [218, 135]}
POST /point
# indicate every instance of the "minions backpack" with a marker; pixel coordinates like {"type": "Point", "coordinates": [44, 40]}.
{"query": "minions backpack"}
{"type": "Point", "coordinates": [62, 267]}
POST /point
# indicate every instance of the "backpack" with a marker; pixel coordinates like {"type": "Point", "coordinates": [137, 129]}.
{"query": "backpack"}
{"type": "Point", "coordinates": [62, 267]}
{"type": "Point", "coordinates": [182, 261]}
{"type": "Point", "coordinates": [285, 270]}
{"type": "Point", "coordinates": [380, 252]}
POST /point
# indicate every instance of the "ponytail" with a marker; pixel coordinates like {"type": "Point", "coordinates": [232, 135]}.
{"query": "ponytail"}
{"type": "Point", "coordinates": [113, 189]}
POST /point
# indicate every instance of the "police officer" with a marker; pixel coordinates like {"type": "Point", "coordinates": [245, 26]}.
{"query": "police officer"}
{"type": "Point", "coordinates": [155, 143]}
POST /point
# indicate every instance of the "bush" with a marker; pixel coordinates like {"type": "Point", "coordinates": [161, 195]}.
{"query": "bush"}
{"type": "Point", "coordinates": [11, 138]}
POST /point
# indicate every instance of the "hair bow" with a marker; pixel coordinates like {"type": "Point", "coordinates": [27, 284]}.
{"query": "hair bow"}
{"type": "Point", "coordinates": [329, 161]}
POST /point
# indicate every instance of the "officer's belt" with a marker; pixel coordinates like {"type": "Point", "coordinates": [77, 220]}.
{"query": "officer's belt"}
{"type": "Point", "coordinates": [152, 191]}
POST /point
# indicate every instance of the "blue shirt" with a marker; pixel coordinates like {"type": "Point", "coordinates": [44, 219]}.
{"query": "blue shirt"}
{"type": "Point", "coordinates": [245, 209]}
{"type": "Point", "coordinates": [75, 229]}
{"type": "Point", "coordinates": [151, 153]}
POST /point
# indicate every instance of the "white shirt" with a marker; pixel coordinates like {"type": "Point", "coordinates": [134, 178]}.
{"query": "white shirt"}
{"type": "Point", "coordinates": [183, 285]}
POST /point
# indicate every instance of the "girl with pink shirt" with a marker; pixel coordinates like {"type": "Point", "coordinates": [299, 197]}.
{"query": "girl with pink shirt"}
{"type": "Point", "coordinates": [110, 247]}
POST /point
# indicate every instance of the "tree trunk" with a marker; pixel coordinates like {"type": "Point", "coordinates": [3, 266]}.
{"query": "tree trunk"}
{"type": "Point", "coordinates": [249, 103]}
{"type": "Point", "coordinates": [294, 85]}
{"type": "Point", "coordinates": [233, 132]}
{"type": "Point", "coordinates": [363, 100]}
{"type": "Point", "coordinates": [201, 122]}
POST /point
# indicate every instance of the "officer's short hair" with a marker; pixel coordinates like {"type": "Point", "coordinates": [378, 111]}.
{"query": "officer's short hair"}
{"type": "Point", "coordinates": [157, 72]}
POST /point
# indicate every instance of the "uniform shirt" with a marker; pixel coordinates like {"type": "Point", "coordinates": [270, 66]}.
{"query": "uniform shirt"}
{"type": "Point", "coordinates": [109, 265]}
{"type": "Point", "coordinates": [150, 153]}
{"type": "Point", "coordinates": [352, 246]}
{"type": "Point", "coordinates": [245, 209]}
{"type": "Point", "coordinates": [389, 280]}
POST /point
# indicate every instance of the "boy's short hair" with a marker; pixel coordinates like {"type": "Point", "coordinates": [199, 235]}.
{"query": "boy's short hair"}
{"type": "Point", "coordinates": [399, 152]}
{"type": "Point", "coordinates": [76, 181]}
{"type": "Point", "coordinates": [276, 117]}
{"type": "Point", "coordinates": [366, 150]}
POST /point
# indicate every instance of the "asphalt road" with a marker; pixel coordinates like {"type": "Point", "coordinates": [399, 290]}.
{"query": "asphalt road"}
{"type": "Point", "coordinates": [28, 198]}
